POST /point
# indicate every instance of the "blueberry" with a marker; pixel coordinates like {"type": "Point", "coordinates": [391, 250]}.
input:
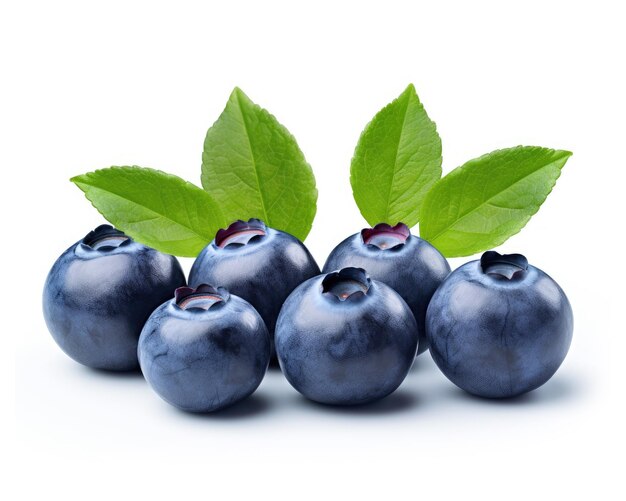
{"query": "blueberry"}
{"type": "Point", "coordinates": [499, 327]}
{"type": "Point", "coordinates": [260, 264]}
{"type": "Point", "coordinates": [390, 254]}
{"type": "Point", "coordinates": [342, 338]}
{"type": "Point", "coordinates": [204, 350]}
{"type": "Point", "coordinates": [99, 294]}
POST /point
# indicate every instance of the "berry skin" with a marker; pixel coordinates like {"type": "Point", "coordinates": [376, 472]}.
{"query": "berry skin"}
{"type": "Point", "coordinates": [99, 294]}
{"type": "Point", "coordinates": [204, 350]}
{"type": "Point", "coordinates": [406, 263]}
{"type": "Point", "coordinates": [257, 263]}
{"type": "Point", "coordinates": [344, 339]}
{"type": "Point", "coordinates": [499, 327]}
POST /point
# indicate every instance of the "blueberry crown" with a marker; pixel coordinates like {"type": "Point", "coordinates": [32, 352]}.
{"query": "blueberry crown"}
{"type": "Point", "coordinates": [240, 233]}
{"type": "Point", "coordinates": [506, 266]}
{"type": "Point", "coordinates": [202, 297]}
{"type": "Point", "coordinates": [346, 284]}
{"type": "Point", "coordinates": [385, 236]}
{"type": "Point", "coordinates": [105, 238]}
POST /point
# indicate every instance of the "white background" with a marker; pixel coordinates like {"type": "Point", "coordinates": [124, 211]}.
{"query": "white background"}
{"type": "Point", "coordinates": [85, 86]}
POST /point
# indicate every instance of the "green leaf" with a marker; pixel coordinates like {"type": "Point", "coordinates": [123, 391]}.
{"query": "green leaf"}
{"type": "Point", "coordinates": [481, 204]}
{"type": "Point", "coordinates": [253, 167]}
{"type": "Point", "coordinates": [157, 209]}
{"type": "Point", "coordinates": [396, 161]}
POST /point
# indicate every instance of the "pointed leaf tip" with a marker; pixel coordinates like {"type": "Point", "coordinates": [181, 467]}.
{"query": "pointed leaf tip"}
{"type": "Point", "coordinates": [396, 161]}
{"type": "Point", "coordinates": [479, 205]}
{"type": "Point", "coordinates": [253, 167]}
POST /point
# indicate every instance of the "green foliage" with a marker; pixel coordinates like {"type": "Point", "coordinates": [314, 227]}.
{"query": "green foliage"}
{"type": "Point", "coordinates": [253, 167]}
{"type": "Point", "coordinates": [396, 161]}
{"type": "Point", "coordinates": [485, 201]}
{"type": "Point", "coordinates": [157, 209]}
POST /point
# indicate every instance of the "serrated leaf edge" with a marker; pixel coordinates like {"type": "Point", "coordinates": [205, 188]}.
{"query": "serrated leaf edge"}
{"type": "Point", "coordinates": [499, 241]}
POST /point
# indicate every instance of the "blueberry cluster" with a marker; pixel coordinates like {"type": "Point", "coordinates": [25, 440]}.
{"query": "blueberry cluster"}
{"type": "Point", "coordinates": [496, 327]}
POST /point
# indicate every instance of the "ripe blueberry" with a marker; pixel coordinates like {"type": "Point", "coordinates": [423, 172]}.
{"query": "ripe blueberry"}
{"type": "Point", "coordinates": [99, 294]}
{"type": "Point", "coordinates": [260, 264]}
{"type": "Point", "coordinates": [342, 338]}
{"type": "Point", "coordinates": [499, 327]}
{"type": "Point", "coordinates": [406, 263]}
{"type": "Point", "coordinates": [204, 350]}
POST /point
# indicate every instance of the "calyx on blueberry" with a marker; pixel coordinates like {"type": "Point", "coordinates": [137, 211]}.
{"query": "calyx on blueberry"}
{"type": "Point", "coordinates": [240, 233]}
{"type": "Point", "coordinates": [202, 297]}
{"type": "Point", "coordinates": [346, 284]}
{"type": "Point", "coordinates": [504, 266]}
{"type": "Point", "coordinates": [105, 238]}
{"type": "Point", "coordinates": [385, 236]}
